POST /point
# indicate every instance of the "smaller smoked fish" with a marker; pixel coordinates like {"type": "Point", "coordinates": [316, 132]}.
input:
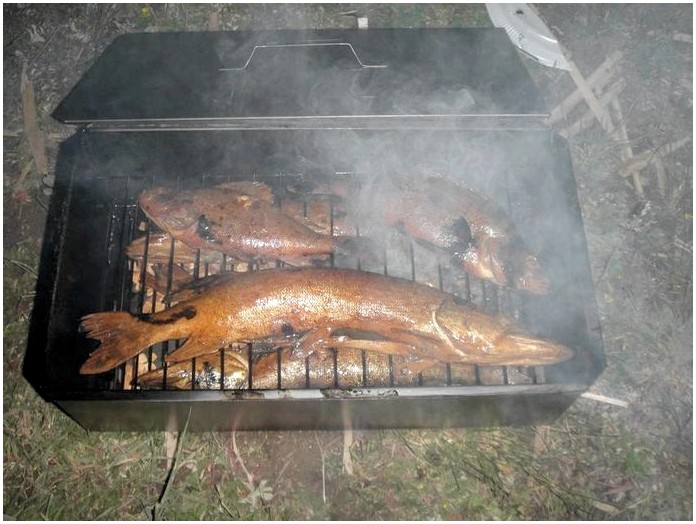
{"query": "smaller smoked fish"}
{"type": "Point", "coordinates": [475, 230]}
{"type": "Point", "coordinates": [326, 368]}
{"type": "Point", "coordinates": [404, 318]}
{"type": "Point", "coordinates": [240, 220]}
{"type": "Point", "coordinates": [440, 212]}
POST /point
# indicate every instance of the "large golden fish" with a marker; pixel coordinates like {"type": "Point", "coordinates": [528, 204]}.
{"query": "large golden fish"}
{"type": "Point", "coordinates": [398, 316]}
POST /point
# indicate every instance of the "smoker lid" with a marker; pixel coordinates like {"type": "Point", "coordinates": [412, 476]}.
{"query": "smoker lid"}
{"type": "Point", "coordinates": [223, 77]}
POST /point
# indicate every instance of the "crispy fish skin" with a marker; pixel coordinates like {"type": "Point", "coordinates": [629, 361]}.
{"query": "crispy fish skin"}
{"type": "Point", "coordinates": [463, 221]}
{"type": "Point", "coordinates": [414, 321]}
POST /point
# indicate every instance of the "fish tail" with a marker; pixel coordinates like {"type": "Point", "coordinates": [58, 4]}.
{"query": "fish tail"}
{"type": "Point", "coordinates": [121, 335]}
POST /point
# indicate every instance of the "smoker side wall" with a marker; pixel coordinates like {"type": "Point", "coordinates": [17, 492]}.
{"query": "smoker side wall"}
{"type": "Point", "coordinates": [35, 367]}
{"type": "Point", "coordinates": [294, 414]}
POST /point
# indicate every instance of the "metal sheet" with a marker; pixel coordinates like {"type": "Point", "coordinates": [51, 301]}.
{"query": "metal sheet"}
{"type": "Point", "coordinates": [229, 414]}
{"type": "Point", "coordinates": [224, 76]}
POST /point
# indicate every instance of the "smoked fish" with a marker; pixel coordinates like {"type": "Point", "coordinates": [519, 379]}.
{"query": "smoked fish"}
{"type": "Point", "coordinates": [401, 317]}
{"type": "Point", "coordinates": [475, 230]}
{"type": "Point", "coordinates": [444, 213]}
{"type": "Point", "coordinates": [326, 368]}
{"type": "Point", "coordinates": [240, 220]}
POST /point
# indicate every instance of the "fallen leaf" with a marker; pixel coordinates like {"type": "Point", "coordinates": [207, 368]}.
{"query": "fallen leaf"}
{"type": "Point", "coordinates": [20, 197]}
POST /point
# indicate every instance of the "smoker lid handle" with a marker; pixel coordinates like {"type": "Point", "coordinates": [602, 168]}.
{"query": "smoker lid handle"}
{"type": "Point", "coordinates": [315, 44]}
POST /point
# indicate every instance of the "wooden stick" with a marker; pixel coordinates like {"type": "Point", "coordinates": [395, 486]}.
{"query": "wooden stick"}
{"type": "Point", "coordinates": [347, 458]}
{"type": "Point", "coordinates": [606, 400]}
{"type": "Point", "coordinates": [19, 185]}
{"type": "Point", "coordinates": [13, 133]}
{"type": "Point", "coordinates": [347, 442]}
{"type": "Point", "coordinates": [660, 175]}
{"type": "Point", "coordinates": [598, 79]}
{"type": "Point", "coordinates": [644, 159]}
{"type": "Point", "coordinates": [601, 113]}
{"type": "Point", "coordinates": [626, 151]}
{"type": "Point", "coordinates": [323, 468]}
{"type": "Point", "coordinates": [35, 137]}
{"type": "Point", "coordinates": [585, 121]}
{"type": "Point", "coordinates": [621, 132]}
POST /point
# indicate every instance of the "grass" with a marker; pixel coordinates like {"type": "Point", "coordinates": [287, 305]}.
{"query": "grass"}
{"type": "Point", "coordinates": [596, 462]}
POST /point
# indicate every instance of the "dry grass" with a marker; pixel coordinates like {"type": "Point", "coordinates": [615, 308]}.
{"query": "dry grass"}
{"type": "Point", "coordinates": [596, 462]}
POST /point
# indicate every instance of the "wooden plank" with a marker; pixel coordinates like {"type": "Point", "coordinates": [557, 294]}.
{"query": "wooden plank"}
{"type": "Point", "coordinates": [626, 151]}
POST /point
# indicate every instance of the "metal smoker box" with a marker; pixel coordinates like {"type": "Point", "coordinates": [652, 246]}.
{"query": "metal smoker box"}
{"type": "Point", "coordinates": [192, 110]}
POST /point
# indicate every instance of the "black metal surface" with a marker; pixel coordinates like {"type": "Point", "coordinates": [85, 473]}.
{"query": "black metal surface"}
{"type": "Point", "coordinates": [247, 79]}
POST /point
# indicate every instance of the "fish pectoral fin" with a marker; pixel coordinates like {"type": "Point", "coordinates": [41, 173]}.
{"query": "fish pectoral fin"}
{"type": "Point", "coordinates": [194, 346]}
{"type": "Point", "coordinates": [422, 345]}
{"type": "Point", "coordinates": [388, 347]}
{"type": "Point", "coordinates": [322, 339]}
{"type": "Point", "coordinates": [313, 340]}
{"type": "Point", "coordinates": [396, 342]}
{"type": "Point", "coordinates": [235, 361]}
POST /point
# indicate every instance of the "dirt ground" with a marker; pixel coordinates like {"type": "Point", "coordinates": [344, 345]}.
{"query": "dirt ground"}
{"type": "Point", "coordinates": [599, 461]}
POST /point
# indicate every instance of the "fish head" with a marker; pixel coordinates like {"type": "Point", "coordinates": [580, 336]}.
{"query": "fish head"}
{"type": "Point", "coordinates": [513, 265]}
{"type": "Point", "coordinates": [527, 350]}
{"type": "Point", "coordinates": [174, 212]}
{"type": "Point", "coordinates": [481, 338]}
